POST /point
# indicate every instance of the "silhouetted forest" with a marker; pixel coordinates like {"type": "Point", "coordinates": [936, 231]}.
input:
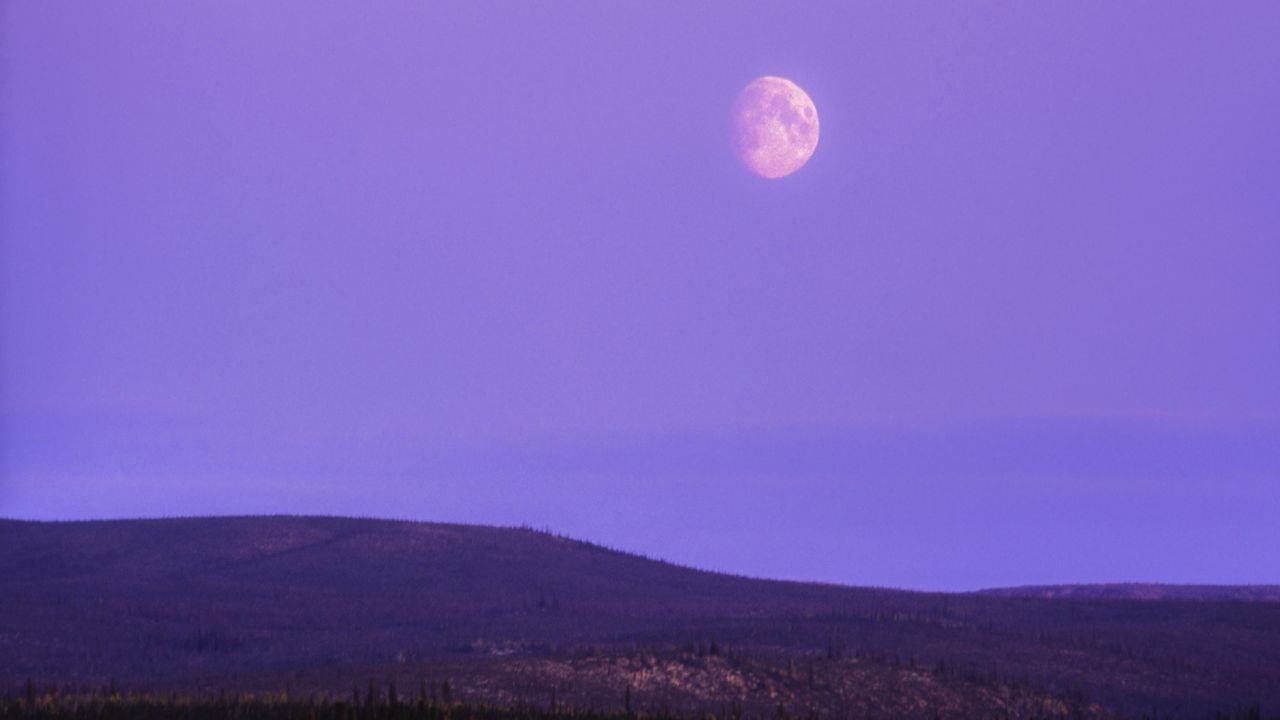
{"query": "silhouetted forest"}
{"type": "Point", "coordinates": [376, 702]}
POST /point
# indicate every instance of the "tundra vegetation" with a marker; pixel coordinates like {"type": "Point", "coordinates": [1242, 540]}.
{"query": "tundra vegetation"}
{"type": "Point", "coordinates": [182, 612]}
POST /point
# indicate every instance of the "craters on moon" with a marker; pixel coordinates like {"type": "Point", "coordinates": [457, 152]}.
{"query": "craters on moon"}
{"type": "Point", "coordinates": [775, 127]}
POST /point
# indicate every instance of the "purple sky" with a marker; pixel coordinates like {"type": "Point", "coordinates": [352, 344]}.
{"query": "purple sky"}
{"type": "Point", "coordinates": [1017, 321]}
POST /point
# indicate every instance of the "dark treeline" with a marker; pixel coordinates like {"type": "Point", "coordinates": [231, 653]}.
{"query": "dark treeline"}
{"type": "Point", "coordinates": [285, 708]}
{"type": "Point", "coordinates": [373, 703]}
{"type": "Point", "coordinates": [281, 707]}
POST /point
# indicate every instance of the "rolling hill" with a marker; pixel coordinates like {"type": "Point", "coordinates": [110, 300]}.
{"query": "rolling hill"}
{"type": "Point", "coordinates": [318, 604]}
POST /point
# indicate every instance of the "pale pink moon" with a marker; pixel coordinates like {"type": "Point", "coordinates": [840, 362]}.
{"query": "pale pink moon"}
{"type": "Point", "coordinates": [775, 127]}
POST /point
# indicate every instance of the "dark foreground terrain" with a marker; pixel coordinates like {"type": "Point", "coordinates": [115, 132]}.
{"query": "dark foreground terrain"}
{"type": "Point", "coordinates": [386, 707]}
{"type": "Point", "coordinates": [522, 619]}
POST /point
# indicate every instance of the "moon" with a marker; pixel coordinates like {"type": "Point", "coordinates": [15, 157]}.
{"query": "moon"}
{"type": "Point", "coordinates": [775, 127]}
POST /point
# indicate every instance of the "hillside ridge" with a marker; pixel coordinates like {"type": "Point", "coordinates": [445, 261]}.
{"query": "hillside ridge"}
{"type": "Point", "coordinates": [1099, 590]}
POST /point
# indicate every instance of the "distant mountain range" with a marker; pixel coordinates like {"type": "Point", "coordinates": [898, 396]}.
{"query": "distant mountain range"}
{"type": "Point", "coordinates": [1143, 591]}
{"type": "Point", "coordinates": [317, 605]}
